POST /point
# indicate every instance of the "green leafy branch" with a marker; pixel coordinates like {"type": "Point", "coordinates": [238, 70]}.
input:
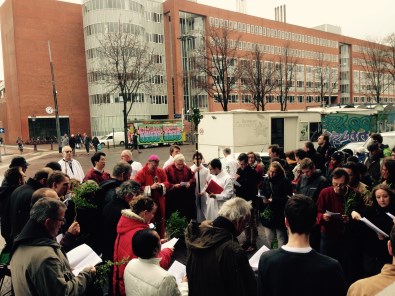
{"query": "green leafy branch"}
{"type": "Point", "coordinates": [176, 225]}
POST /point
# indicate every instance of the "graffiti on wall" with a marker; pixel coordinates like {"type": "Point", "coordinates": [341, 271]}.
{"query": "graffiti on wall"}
{"type": "Point", "coordinates": [344, 128]}
{"type": "Point", "coordinates": [159, 133]}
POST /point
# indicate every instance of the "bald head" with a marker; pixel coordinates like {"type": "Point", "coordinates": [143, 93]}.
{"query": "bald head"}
{"type": "Point", "coordinates": [43, 192]}
{"type": "Point", "coordinates": [126, 155]}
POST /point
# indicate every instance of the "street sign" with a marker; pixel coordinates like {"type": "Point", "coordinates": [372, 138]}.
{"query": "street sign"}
{"type": "Point", "coordinates": [177, 115]}
{"type": "Point", "coordinates": [2, 130]}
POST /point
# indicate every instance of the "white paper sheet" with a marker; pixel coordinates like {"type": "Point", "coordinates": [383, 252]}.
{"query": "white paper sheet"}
{"type": "Point", "coordinates": [178, 270]}
{"type": "Point", "coordinates": [170, 243]}
{"type": "Point", "coordinates": [81, 257]}
{"type": "Point", "coordinates": [254, 260]}
{"type": "Point", "coordinates": [373, 227]}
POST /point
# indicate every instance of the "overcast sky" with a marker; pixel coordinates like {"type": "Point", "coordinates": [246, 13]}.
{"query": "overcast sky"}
{"type": "Point", "coordinates": [363, 19]}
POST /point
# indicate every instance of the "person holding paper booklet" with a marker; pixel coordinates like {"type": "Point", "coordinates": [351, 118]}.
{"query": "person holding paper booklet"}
{"type": "Point", "coordinates": [39, 266]}
{"type": "Point", "coordinates": [181, 194]}
{"type": "Point", "coordinates": [153, 181]}
{"type": "Point", "coordinates": [295, 268]}
{"type": "Point", "coordinates": [339, 234]}
{"type": "Point", "coordinates": [225, 182]}
{"type": "Point", "coordinates": [382, 283]}
{"type": "Point", "coordinates": [142, 212]}
{"type": "Point", "coordinates": [216, 264]}
{"type": "Point", "coordinates": [143, 276]}
{"type": "Point", "coordinates": [374, 244]}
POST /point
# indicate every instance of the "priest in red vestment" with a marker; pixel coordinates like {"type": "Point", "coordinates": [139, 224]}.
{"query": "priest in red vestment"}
{"type": "Point", "coordinates": [154, 182]}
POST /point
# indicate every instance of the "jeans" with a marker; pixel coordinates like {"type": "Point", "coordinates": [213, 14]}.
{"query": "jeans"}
{"type": "Point", "coordinates": [271, 232]}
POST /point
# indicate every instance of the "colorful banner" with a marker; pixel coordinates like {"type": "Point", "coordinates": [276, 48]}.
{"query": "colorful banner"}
{"type": "Point", "coordinates": [158, 133]}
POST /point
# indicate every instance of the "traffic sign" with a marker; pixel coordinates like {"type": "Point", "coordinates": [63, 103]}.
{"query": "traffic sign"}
{"type": "Point", "coordinates": [2, 130]}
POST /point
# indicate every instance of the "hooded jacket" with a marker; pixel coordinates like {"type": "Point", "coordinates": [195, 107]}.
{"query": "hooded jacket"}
{"type": "Point", "coordinates": [216, 264]}
{"type": "Point", "coordinates": [128, 225]}
{"type": "Point", "coordinates": [39, 266]}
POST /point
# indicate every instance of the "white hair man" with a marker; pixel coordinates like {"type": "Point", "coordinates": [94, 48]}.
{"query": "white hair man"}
{"type": "Point", "coordinates": [216, 256]}
{"type": "Point", "coordinates": [70, 166]}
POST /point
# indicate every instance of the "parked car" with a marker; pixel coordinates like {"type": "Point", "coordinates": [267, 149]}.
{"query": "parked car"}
{"type": "Point", "coordinates": [118, 137]}
{"type": "Point", "coordinates": [388, 139]}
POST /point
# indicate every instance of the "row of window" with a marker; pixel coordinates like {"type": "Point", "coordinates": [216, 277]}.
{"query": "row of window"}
{"type": "Point", "coordinates": [270, 32]}
{"type": "Point", "coordinates": [109, 99]}
{"type": "Point", "coordinates": [113, 27]}
{"type": "Point", "coordinates": [95, 53]}
{"type": "Point", "coordinates": [112, 4]}
{"type": "Point", "coordinates": [247, 99]}
{"type": "Point", "coordinates": [279, 50]}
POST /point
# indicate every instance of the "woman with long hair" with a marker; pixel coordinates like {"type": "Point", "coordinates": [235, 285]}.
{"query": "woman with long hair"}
{"type": "Point", "coordinates": [388, 172]}
{"type": "Point", "coordinates": [375, 245]}
{"type": "Point", "coordinates": [276, 189]}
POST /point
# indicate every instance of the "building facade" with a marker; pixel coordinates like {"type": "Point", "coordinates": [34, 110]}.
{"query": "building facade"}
{"type": "Point", "coordinates": [326, 68]}
{"type": "Point", "coordinates": [141, 18]}
{"type": "Point", "coordinates": [27, 26]}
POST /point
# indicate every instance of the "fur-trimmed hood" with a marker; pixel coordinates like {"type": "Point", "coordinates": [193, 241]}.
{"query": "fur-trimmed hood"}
{"type": "Point", "coordinates": [129, 221]}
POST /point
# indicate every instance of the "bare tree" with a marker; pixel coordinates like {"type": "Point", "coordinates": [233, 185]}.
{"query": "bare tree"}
{"type": "Point", "coordinates": [126, 65]}
{"type": "Point", "coordinates": [258, 77]}
{"type": "Point", "coordinates": [217, 61]}
{"type": "Point", "coordinates": [390, 41]}
{"type": "Point", "coordinates": [374, 63]}
{"type": "Point", "coordinates": [285, 76]}
{"type": "Point", "coordinates": [325, 79]}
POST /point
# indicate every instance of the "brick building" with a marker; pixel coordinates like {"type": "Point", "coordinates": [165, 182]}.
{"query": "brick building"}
{"type": "Point", "coordinates": [26, 27]}
{"type": "Point", "coordinates": [318, 58]}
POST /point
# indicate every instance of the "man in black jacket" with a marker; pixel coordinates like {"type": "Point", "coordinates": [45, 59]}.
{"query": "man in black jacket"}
{"type": "Point", "coordinates": [246, 180]}
{"type": "Point", "coordinates": [310, 184]}
{"type": "Point", "coordinates": [295, 268]}
{"type": "Point", "coordinates": [216, 263]}
{"type": "Point", "coordinates": [20, 200]}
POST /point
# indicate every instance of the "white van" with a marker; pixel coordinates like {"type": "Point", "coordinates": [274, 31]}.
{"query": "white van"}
{"type": "Point", "coordinates": [119, 139]}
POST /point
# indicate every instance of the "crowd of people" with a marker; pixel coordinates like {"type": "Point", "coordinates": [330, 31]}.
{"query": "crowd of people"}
{"type": "Point", "coordinates": [314, 205]}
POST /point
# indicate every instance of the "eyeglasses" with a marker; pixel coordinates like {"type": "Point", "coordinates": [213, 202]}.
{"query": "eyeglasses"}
{"type": "Point", "coordinates": [60, 219]}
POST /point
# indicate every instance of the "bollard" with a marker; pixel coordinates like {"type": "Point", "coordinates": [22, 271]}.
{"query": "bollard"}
{"type": "Point", "coordinates": [35, 145]}
{"type": "Point", "coordinates": [108, 146]}
{"type": "Point", "coordinates": [51, 145]}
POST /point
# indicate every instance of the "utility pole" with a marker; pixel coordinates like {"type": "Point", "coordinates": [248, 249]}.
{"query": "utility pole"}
{"type": "Point", "coordinates": [55, 100]}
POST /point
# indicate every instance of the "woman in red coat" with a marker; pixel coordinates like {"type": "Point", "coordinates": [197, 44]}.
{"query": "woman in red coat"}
{"type": "Point", "coordinates": [143, 211]}
{"type": "Point", "coordinates": [154, 182]}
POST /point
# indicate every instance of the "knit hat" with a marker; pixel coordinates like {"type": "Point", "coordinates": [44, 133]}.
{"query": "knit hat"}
{"type": "Point", "coordinates": [338, 156]}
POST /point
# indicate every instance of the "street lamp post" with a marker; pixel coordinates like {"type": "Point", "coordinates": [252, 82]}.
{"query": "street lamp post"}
{"type": "Point", "coordinates": [34, 132]}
